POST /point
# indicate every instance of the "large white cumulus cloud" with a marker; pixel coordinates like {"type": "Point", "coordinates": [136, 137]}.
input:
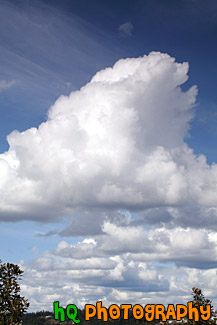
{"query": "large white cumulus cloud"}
{"type": "Point", "coordinates": [118, 142]}
{"type": "Point", "coordinates": [112, 157]}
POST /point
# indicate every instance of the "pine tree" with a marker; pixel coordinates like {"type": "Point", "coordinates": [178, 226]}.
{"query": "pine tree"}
{"type": "Point", "coordinates": [12, 305]}
{"type": "Point", "coordinates": [199, 300]}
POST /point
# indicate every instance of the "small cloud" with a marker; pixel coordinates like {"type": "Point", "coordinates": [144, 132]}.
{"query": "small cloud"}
{"type": "Point", "coordinates": [6, 84]}
{"type": "Point", "coordinates": [47, 234]}
{"type": "Point", "coordinates": [35, 251]}
{"type": "Point", "coordinates": [68, 84]}
{"type": "Point", "coordinates": [126, 29]}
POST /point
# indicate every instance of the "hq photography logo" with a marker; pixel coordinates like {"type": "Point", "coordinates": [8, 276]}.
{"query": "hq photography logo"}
{"type": "Point", "coordinates": [148, 313]}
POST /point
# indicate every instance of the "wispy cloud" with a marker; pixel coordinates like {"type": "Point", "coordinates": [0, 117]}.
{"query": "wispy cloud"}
{"type": "Point", "coordinates": [126, 29]}
{"type": "Point", "coordinates": [51, 58]}
{"type": "Point", "coordinates": [6, 84]}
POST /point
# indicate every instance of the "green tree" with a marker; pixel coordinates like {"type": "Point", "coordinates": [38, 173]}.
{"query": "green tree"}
{"type": "Point", "coordinates": [199, 300]}
{"type": "Point", "coordinates": [12, 305]}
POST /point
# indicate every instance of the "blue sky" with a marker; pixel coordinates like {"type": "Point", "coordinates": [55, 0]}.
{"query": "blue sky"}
{"type": "Point", "coordinates": [53, 48]}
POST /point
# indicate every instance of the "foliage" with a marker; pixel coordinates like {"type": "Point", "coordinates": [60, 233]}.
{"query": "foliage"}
{"type": "Point", "coordinates": [12, 305]}
{"type": "Point", "coordinates": [199, 300]}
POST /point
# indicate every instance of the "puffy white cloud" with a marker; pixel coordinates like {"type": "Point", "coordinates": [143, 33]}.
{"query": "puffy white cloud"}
{"type": "Point", "coordinates": [126, 264]}
{"type": "Point", "coordinates": [112, 157]}
{"type": "Point", "coordinates": [117, 143]}
{"type": "Point", "coordinates": [183, 247]}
